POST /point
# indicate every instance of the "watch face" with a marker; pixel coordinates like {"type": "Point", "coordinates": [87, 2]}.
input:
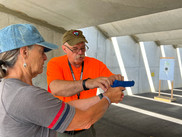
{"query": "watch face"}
{"type": "Point", "coordinates": [100, 96]}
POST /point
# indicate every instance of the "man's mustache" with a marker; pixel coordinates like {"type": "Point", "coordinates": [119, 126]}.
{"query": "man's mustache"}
{"type": "Point", "coordinates": [78, 56]}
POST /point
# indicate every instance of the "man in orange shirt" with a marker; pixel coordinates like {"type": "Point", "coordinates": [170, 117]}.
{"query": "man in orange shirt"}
{"type": "Point", "coordinates": [74, 76]}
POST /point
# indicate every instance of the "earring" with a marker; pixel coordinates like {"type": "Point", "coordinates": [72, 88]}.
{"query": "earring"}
{"type": "Point", "coordinates": [24, 65]}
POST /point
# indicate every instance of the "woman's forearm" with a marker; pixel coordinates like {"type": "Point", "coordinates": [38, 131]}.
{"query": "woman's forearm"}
{"type": "Point", "coordinates": [84, 104]}
{"type": "Point", "coordinates": [84, 119]}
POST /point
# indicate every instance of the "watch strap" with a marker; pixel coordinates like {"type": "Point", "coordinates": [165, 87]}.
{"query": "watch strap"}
{"type": "Point", "coordinates": [83, 84]}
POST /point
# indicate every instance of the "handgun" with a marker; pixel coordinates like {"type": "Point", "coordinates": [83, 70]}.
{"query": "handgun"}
{"type": "Point", "coordinates": [118, 83]}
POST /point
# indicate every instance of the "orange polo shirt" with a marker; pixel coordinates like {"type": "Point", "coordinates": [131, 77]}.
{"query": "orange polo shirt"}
{"type": "Point", "coordinates": [58, 69]}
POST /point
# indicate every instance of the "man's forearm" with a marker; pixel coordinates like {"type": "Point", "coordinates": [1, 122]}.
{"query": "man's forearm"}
{"type": "Point", "coordinates": [66, 88]}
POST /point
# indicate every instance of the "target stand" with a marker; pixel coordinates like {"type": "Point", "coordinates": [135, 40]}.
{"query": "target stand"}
{"type": "Point", "coordinates": [165, 98]}
{"type": "Point", "coordinates": [166, 73]}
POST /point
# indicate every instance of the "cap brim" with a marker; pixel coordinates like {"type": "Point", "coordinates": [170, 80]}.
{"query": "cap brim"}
{"type": "Point", "coordinates": [47, 46]}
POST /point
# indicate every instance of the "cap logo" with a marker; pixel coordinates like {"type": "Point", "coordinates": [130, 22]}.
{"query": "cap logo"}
{"type": "Point", "coordinates": [76, 33]}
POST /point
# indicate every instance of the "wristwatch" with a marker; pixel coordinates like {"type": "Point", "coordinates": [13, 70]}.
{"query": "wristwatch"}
{"type": "Point", "coordinates": [101, 95]}
{"type": "Point", "coordinates": [83, 84]}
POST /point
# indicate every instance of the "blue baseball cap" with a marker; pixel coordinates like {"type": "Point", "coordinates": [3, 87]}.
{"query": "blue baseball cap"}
{"type": "Point", "coordinates": [20, 35]}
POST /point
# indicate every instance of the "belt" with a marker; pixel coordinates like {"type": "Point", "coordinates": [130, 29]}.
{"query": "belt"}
{"type": "Point", "coordinates": [73, 132]}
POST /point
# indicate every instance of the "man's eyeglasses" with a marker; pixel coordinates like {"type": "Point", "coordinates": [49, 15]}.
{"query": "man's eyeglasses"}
{"type": "Point", "coordinates": [76, 50]}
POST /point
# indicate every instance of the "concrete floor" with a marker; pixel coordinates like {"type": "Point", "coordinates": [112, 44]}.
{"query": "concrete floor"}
{"type": "Point", "coordinates": [166, 121]}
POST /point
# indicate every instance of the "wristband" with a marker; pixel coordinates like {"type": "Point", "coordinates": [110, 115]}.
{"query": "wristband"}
{"type": "Point", "coordinates": [108, 99]}
{"type": "Point", "coordinates": [101, 95]}
{"type": "Point", "coordinates": [83, 84]}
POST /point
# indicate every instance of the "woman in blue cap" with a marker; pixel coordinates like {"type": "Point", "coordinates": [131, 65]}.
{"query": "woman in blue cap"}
{"type": "Point", "coordinates": [30, 111]}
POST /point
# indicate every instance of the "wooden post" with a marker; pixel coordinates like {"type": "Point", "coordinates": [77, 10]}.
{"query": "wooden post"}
{"type": "Point", "coordinates": [159, 87]}
{"type": "Point", "coordinates": [172, 90]}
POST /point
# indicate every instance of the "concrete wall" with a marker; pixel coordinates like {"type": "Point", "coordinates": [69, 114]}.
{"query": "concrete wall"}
{"type": "Point", "coordinates": [103, 49]}
{"type": "Point", "coordinates": [48, 34]}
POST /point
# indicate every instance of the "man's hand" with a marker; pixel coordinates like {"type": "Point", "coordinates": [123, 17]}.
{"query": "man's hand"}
{"type": "Point", "coordinates": [103, 82]}
{"type": "Point", "coordinates": [116, 77]}
{"type": "Point", "coordinates": [100, 82]}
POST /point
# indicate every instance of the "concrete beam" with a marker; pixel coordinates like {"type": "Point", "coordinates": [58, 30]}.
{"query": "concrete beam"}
{"type": "Point", "coordinates": [23, 16]}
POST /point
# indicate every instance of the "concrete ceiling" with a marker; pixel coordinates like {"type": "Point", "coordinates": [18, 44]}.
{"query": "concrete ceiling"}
{"type": "Point", "coordinates": [145, 20]}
